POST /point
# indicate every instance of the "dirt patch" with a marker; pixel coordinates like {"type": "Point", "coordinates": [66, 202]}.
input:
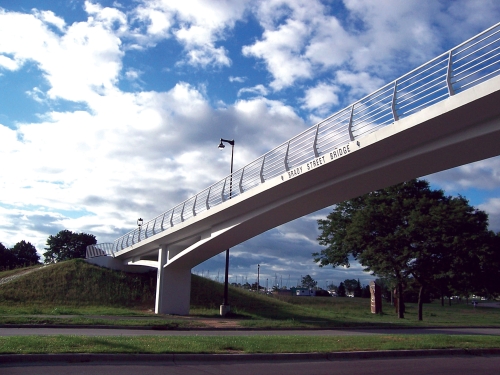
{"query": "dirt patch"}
{"type": "Point", "coordinates": [220, 323]}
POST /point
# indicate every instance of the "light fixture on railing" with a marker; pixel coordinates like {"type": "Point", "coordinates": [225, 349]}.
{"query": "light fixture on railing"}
{"type": "Point", "coordinates": [139, 223]}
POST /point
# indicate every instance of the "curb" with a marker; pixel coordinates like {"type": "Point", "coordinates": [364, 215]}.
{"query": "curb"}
{"type": "Point", "coordinates": [174, 358]}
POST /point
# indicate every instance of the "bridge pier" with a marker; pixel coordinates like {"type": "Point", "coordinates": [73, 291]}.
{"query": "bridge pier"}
{"type": "Point", "coordinates": [173, 287]}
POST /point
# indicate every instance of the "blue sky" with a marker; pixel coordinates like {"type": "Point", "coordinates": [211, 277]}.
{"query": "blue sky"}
{"type": "Point", "coordinates": [110, 111]}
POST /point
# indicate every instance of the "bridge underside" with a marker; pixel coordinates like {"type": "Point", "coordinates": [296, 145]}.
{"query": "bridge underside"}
{"type": "Point", "coordinates": [461, 129]}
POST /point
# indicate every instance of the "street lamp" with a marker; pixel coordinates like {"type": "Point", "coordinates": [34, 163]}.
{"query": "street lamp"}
{"type": "Point", "coordinates": [258, 278]}
{"type": "Point", "coordinates": [139, 224]}
{"type": "Point", "coordinates": [225, 308]}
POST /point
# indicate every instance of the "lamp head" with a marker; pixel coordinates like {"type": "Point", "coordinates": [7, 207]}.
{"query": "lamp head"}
{"type": "Point", "coordinates": [221, 145]}
{"type": "Point", "coordinates": [139, 222]}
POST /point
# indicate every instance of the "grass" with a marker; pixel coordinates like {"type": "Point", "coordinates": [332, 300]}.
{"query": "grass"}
{"type": "Point", "coordinates": [240, 344]}
{"type": "Point", "coordinates": [76, 292]}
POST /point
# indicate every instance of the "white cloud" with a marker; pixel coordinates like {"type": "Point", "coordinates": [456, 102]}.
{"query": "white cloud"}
{"type": "Point", "coordinates": [484, 174]}
{"type": "Point", "coordinates": [258, 90]}
{"type": "Point", "coordinates": [196, 24]}
{"type": "Point", "coordinates": [358, 84]}
{"type": "Point", "coordinates": [84, 60]}
{"type": "Point", "coordinates": [8, 63]}
{"type": "Point", "coordinates": [492, 208]}
{"type": "Point", "coordinates": [136, 154]}
{"type": "Point", "coordinates": [50, 18]}
{"type": "Point", "coordinates": [281, 50]}
{"type": "Point", "coordinates": [321, 98]}
{"type": "Point", "coordinates": [237, 79]}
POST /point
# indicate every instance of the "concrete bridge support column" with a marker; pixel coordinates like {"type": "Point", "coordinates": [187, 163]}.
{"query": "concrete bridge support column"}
{"type": "Point", "coordinates": [173, 287]}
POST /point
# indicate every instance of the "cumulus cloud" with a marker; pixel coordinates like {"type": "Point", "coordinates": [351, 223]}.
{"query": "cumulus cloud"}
{"type": "Point", "coordinates": [111, 156]}
{"type": "Point", "coordinates": [492, 208]}
{"type": "Point", "coordinates": [196, 24]}
{"type": "Point", "coordinates": [483, 174]}
{"type": "Point", "coordinates": [321, 98]}
{"type": "Point", "coordinates": [257, 90]}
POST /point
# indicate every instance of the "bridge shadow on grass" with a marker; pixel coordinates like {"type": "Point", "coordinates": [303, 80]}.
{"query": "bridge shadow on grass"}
{"type": "Point", "coordinates": [253, 309]}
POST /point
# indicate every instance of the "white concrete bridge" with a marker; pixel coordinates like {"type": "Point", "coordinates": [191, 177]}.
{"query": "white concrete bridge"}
{"type": "Point", "coordinates": [441, 115]}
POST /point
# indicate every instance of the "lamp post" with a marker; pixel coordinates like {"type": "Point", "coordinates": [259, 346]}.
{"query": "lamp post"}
{"type": "Point", "coordinates": [139, 224]}
{"type": "Point", "coordinates": [258, 278]}
{"type": "Point", "coordinates": [225, 308]}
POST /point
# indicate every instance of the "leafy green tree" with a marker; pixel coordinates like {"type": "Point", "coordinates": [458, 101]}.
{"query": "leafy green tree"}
{"type": "Point", "coordinates": [365, 292]}
{"type": "Point", "coordinates": [67, 245]}
{"type": "Point", "coordinates": [402, 232]}
{"type": "Point", "coordinates": [6, 258]}
{"type": "Point", "coordinates": [350, 285]}
{"type": "Point", "coordinates": [341, 290]}
{"type": "Point", "coordinates": [25, 254]}
{"type": "Point", "coordinates": [308, 282]}
{"type": "Point", "coordinates": [333, 287]}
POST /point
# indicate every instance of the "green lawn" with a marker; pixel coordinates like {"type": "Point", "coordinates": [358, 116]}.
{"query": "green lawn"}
{"type": "Point", "coordinates": [75, 292]}
{"type": "Point", "coordinates": [238, 344]}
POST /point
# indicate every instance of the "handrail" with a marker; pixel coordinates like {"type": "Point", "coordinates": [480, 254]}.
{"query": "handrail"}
{"type": "Point", "coordinates": [428, 84]}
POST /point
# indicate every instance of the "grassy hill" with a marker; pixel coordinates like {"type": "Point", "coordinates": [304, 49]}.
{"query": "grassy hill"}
{"type": "Point", "coordinates": [77, 283]}
{"type": "Point", "coordinates": [76, 286]}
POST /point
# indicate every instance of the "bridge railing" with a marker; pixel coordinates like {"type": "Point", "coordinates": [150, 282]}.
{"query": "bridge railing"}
{"type": "Point", "coordinates": [459, 69]}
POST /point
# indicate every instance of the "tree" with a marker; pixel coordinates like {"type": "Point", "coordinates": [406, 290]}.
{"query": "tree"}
{"type": "Point", "coordinates": [353, 287]}
{"type": "Point", "coordinates": [308, 282]}
{"type": "Point", "coordinates": [25, 254]}
{"type": "Point", "coordinates": [341, 290]}
{"type": "Point", "coordinates": [67, 245]}
{"type": "Point", "coordinates": [6, 258]}
{"type": "Point", "coordinates": [402, 232]}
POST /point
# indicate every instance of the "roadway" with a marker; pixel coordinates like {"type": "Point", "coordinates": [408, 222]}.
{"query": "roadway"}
{"type": "Point", "coordinates": [121, 331]}
{"type": "Point", "coordinates": [442, 365]}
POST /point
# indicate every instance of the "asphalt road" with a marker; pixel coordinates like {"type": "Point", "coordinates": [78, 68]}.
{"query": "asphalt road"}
{"type": "Point", "coordinates": [443, 365]}
{"type": "Point", "coordinates": [220, 332]}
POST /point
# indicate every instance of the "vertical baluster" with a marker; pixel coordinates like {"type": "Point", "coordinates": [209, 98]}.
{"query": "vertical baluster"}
{"type": "Point", "coordinates": [262, 170]}
{"type": "Point", "coordinates": [241, 181]}
{"type": "Point", "coordinates": [287, 168]}
{"type": "Point", "coordinates": [208, 196]}
{"type": "Point", "coordinates": [315, 142]}
{"type": "Point", "coordinates": [349, 127]}
{"type": "Point", "coordinates": [451, 91]}
{"type": "Point", "coordinates": [393, 104]}
{"type": "Point", "coordinates": [194, 205]}
{"type": "Point", "coordinates": [223, 188]}
{"type": "Point", "coordinates": [162, 220]}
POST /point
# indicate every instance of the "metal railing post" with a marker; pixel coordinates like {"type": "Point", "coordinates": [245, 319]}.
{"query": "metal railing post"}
{"type": "Point", "coordinates": [393, 103]}
{"type": "Point", "coordinates": [194, 204]}
{"type": "Point", "coordinates": [241, 181]}
{"type": "Point", "coordinates": [224, 188]}
{"type": "Point", "coordinates": [315, 143]}
{"type": "Point", "coordinates": [208, 196]}
{"type": "Point", "coordinates": [451, 91]}
{"type": "Point", "coordinates": [349, 127]}
{"type": "Point", "coordinates": [262, 170]}
{"type": "Point", "coordinates": [287, 168]}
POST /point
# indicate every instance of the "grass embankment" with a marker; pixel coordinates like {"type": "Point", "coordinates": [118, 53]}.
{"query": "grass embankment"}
{"type": "Point", "coordinates": [93, 294]}
{"type": "Point", "coordinates": [78, 293]}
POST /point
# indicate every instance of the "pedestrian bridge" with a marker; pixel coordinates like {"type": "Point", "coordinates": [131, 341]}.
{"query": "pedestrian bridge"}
{"type": "Point", "coordinates": [441, 115]}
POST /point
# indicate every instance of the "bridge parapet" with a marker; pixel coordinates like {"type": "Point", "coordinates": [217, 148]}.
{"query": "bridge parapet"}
{"type": "Point", "coordinates": [457, 70]}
